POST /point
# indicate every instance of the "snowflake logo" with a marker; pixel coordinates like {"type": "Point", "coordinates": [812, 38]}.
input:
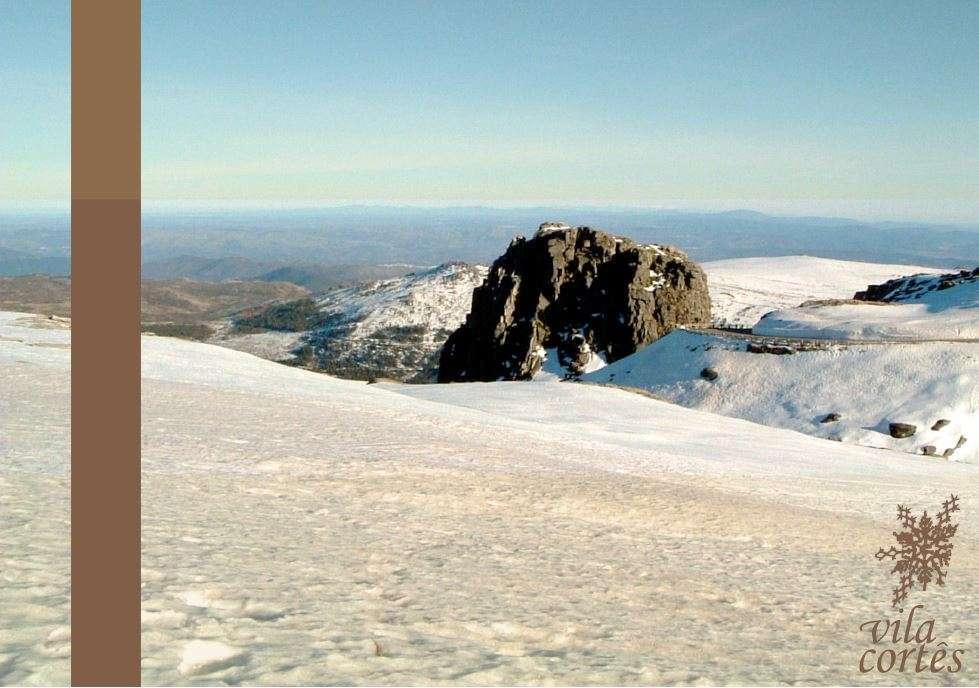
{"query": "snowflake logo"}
{"type": "Point", "coordinates": [924, 548]}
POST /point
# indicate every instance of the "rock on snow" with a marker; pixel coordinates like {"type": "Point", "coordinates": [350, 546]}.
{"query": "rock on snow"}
{"type": "Point", "coordinates": [579, 292]}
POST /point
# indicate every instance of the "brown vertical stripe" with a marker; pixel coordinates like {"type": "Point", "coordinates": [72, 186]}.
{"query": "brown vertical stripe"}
{"type": "Point", "coordinates": [105, 342]}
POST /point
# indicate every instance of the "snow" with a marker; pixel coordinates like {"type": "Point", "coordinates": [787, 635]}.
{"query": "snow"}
{"type": "Point", "coordinates": [392, 327]}
{"type": "Point", "coordinates": [438, 298]}
{"type": "Point", "coordinates": [300, 529]}
{"type": "Point", "coordinates": [658, 281]}
{"type": "Point", "coordinates": [552, 370]}
{"type": "Point", "coordinates": [208, 656]}
{"type": "Point", "coordinates": [947, 314]}
{"type": "Point", "coordinates": [742, 290]}
{"type": "Point", "coordinates": [596, 361]}
{"type": "Point", "coordinates": [869, 385]}
{"type": "Point", "coordinates": [275, 346]}
{"type": "Point", "coordinates": [508, 533]}
{"type": "Point", "coordinates": [35, 640]}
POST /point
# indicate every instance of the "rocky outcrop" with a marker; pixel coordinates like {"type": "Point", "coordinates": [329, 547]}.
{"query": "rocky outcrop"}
{"type": "Point", "coordinates": [583, 294]}
{"type": "Point", "coordinates": [915, 286]}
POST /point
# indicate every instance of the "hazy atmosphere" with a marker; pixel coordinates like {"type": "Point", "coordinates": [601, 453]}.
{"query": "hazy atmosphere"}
{"type": "Point", "coordinates": [864, 110]}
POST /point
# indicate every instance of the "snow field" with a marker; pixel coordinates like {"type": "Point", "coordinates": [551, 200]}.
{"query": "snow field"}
{"type": "Point", "coordinates": [35, 640]}
{"type": "Point", "coordinates": [325, 531]}
{"type": "Point", "coordinates": [742, 290]}
{"type": "Point", "coordinates": [869, 385]}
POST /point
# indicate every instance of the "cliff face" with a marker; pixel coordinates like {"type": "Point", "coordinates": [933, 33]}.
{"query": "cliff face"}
{"type": "Point", "coordinates": [577, 290]}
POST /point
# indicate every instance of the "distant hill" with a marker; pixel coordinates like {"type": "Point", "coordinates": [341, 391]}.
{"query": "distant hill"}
{"type": "Point", "coordinates": [34, 243]}
{"type": "Point", "coordinates": [41, 294]}
{"type": "Point", "coordinates": [313, 276]}
{"type": "Point", "coordinates": [329, 247]}
{"type": "Point", "coordinates": [390, 328]}
{"type": "Point", "coordinates": [430, 236]}
{"type": "Point", "coordinates": [17, 263]}
{"type": "Point", "coordinates": [178, 307]}
{"type": "Point", "coordinates": [187, 301]}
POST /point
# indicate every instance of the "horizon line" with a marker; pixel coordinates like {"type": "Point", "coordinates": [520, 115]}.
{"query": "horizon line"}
{"type": "Point", "coordinates": [790, 209]}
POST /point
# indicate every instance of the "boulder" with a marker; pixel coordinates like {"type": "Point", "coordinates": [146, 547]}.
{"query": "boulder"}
{"type": "Point", "coordinates": [940, 423]}
{"type": "Point", "coordinates": [830, 418]}
{"type": "Point", "coordinates": [709, 374]}
{"type": "Point", "coordinates": [768, 348]}
{"type": "Point", "coordinates": [581, 292]}
{"type": "Point", "coordinates": [902, 430]}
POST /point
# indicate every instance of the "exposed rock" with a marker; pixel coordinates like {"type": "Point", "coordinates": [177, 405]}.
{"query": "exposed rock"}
{"type": "Point", "coordinates": [766, 348]}
{"type": "Point", "coordinates": [830, 418]}
{"type": "Point", "coordinates": [951, 450]}
{"type": "Point", "coordinates": [902, 430]}
{"type": "Point", "coordinates": [577, 290]}
{"type": "Point", "coordinates": [928, 450]}
{"type": "Point", "coordinates": [709, 374]}
{"type": "Point", "coordinates": [940, 423]}
{"type": "Point", "coordinates": [914, 286]}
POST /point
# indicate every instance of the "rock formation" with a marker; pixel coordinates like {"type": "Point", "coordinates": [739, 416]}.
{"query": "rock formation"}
{"type": "Point", "coordinates": [579, 292]}
{"type": "Point", "coordinates": [914, 286]}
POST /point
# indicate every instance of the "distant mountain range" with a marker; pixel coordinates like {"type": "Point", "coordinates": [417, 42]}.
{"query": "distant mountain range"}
{"type": "Point", "coordinates": [327, 247]}
{"type": "Point", "coordinates": [313, 276]}
{"type": "Point", "coordinates": [426, 236]}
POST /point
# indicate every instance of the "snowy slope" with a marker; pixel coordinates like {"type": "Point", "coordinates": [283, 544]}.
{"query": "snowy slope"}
{"type": "Point", "coordinates": [300, 529]}
{"type": "Point", "coordinates": [950, 313]}
{"type": "Point", "coordinates": [392, 328]}
{"type": "Point", "coordinates": [869, 385]}
{"type": "Point", "coordinates": [35, 640]}
{"type": "Point", "coordinates": [744, 289]}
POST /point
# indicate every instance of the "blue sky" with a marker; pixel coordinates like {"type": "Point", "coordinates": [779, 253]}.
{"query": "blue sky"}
{"type": "Point", "coordinates": [859, 108]}
{"type": "Point", "coordinates": [35, 117]}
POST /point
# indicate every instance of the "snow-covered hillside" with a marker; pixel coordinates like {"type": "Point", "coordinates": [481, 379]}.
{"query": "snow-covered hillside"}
{"type": "Point", "coordinates": [926, 311]}
{"type": "Point", "coordinates": [869, 386]}
{"type": "Point", "coordinates": [393, 328]}
{"type": "Point", "coordinates": [35, 639]}
{"type": "Point", "coordinates": [744, 289]}
{"type": "Point", "coordinates": [302, 529]}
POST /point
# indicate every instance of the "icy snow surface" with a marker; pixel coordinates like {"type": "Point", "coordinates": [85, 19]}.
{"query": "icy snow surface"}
{"type": "Point", "coordinates": [35, 640]}
{"type": "Point", "coordinates": [326, 531]}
